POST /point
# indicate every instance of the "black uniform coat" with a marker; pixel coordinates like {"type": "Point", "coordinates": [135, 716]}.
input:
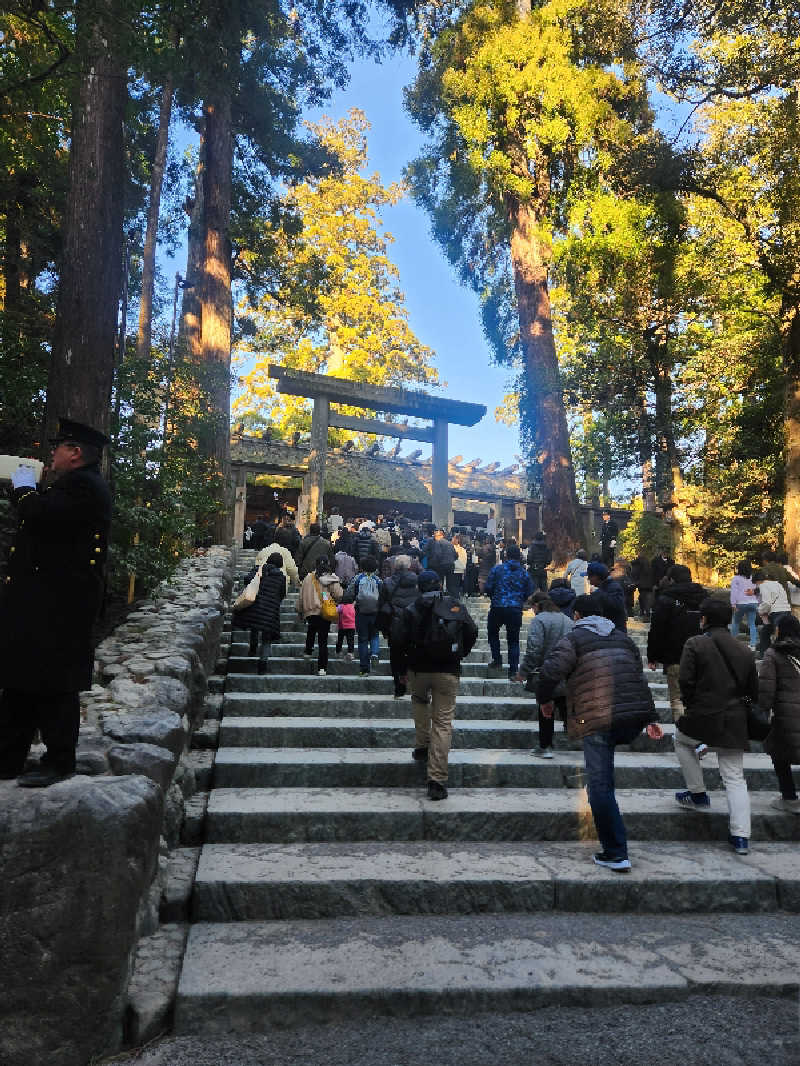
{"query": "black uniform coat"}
{"type": "Point", "coordinates": [54, 587]}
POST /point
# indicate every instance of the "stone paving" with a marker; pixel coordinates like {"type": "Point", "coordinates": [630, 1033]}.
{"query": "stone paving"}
{"type": "Point", "coordinates": [328, 886]}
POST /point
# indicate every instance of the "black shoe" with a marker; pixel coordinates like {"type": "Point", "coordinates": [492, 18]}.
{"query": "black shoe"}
{"type": "Point", "coordinates": [420, 754]}
{"type": "Point", "coordinates": [399, 690]}
{"type": "Point", "coordinates": [262, 669]}
{"type": "Point", "coordinates": [43, 777]}
{"type": "Point", "coordinates": [495, 665]}
{"type": "Point", "coordinates": [436, 791]}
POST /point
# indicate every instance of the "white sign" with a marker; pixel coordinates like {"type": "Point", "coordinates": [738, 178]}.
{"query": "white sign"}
{"type": "Point", "coordinates": [521, 511]}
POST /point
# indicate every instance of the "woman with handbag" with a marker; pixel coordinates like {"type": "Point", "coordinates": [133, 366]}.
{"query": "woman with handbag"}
{"type": "Point", "coordinates": [779, 692]}
{"type": "Point", "coordinates": [316, 605]}
{"type": "Point", "coordinates": [719, 685]}
{"type": "Point", "coordinates": [262, 614]}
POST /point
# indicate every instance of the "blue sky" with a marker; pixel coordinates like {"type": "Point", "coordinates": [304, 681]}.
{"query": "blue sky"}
{"type": "Point", "coordinates": [444, 314]}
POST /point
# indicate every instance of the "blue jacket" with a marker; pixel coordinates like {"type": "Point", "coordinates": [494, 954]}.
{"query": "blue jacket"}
{"type": "Point", "coordinates": [509, 585]}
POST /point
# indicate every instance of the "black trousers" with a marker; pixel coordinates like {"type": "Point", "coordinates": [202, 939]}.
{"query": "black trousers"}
{"type": "Point", "coordinates": [57, 716]}
{"type": "Point", "coordinates": [783, 772]}
{"type": "Point", "coordinates": [348, 635]}
{"type": "Point", "coordinates": [318, 629]}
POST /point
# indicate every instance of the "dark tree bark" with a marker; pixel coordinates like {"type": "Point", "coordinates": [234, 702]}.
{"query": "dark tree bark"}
{"type": "Point", "coordinates": [82, 365]}
{"type": "Point", "coordinates": [145, 334]}
{"type": "Point", "coordinates": [189, 331]}
{"type": "Point", "coordinates": [791, 491]}
{"type": "Point", "coordinates": [645, 446]}
{"type": "Point", "coordinates": [215, 284]}
{"type": "Point", "coordinates": [543, 401]}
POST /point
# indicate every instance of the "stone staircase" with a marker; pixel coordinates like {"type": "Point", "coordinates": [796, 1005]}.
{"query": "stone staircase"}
{"type": "Point", "coordinates": [329, 886]}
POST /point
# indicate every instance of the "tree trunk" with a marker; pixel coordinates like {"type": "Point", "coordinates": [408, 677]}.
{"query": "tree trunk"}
{"type": "Point", "coordinates": [215, 285]}
{"type": "Point", "coordinates": [644, 442]}
{"type": "Point", "coordinates": [542, 402]}
{"type": "Point", "coordinates": [82, 364]}
{"type": "Point", "coordinates": [189, 331]}
{"type": "Point", "coordinates": [145, 334]}
{"type": "Point", "coordinates": [791, 491]}
{"type": "Point", "coordinates": [666, 452]}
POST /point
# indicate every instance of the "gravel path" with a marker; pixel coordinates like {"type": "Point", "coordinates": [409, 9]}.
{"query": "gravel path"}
{"type": "Point", "coordinates": [703, 1031]}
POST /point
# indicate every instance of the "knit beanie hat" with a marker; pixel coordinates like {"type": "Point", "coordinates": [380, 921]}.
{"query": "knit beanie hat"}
{"type": "Point", "coordinates": [597, 569]}
{"type": "Point", "coordinates": [428, 581]}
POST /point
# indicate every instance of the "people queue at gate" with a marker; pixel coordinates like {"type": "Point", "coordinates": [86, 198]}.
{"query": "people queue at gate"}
{"type": "Point", "coordinates": [391, 579]}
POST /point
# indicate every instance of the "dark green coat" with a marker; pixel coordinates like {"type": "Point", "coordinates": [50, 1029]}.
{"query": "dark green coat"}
{"type": "Point", "coordinates": [54, 586]}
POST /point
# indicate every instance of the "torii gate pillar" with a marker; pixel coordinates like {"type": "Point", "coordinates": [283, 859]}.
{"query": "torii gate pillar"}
{"type": "Point", "coordinates": [314, 487]}
{"type": "Point", "coordinates": [440, 492]}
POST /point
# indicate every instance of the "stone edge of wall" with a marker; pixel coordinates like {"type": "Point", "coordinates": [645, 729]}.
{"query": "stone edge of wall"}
{"type": "Point", "coordinates": [148, 700]}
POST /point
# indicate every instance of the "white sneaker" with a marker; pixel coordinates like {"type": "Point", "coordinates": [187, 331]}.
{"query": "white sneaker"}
{"type": "Point", "coordinates": [322, 673]}
{"type": "Point", "coordinates": [792, 806]}
{"type": "Point", "coordinates": [543, 753]}
{"type": "Point", "coordinates": [307, 655]}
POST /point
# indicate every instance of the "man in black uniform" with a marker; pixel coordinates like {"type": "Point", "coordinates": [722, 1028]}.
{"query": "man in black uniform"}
{"type": "Point", "coordinates": [609, 531]}
{"type": "Point", "coordinates": [49, 603]}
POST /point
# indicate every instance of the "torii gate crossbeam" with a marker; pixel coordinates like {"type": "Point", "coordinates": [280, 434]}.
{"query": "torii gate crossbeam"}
{"type": "Point", "coordinates": [325, 390]}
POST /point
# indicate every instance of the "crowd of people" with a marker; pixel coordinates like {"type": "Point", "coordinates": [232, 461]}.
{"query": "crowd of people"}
{"type": "Point", "coordinates": [413, 587]}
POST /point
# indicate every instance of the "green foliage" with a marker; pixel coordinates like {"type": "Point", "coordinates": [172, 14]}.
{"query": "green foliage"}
{"type": "Point", "coordinates": [165, 496]}
{"type": "Point", "coordinates": [356, 326]}
{"type": "Point", "coordinates": [645, 534]}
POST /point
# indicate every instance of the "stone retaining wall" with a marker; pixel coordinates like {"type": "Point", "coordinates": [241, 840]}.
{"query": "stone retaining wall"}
{"type": "Point", "coordinates": [84, 862]}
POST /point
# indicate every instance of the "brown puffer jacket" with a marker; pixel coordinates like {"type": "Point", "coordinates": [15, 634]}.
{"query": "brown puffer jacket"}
{"type": "Point", "coordinates": [712, 696]}
{"type": "Point", "coordinates": [779, 691]}
{"type": "Point", "coordinates": [606, 689]}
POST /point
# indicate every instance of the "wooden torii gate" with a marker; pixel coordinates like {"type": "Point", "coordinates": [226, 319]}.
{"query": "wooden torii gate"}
{"type": "Point", "coordinates": [325, 390]}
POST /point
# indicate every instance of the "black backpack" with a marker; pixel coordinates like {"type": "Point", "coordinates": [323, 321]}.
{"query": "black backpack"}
{"type": "Point", "coordinates": [442, 629]}
{"type": "Point", "coordinates": [685, 623]}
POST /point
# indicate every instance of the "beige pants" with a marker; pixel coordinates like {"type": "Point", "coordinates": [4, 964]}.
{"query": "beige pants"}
{"type": "Point", "coordinates": [730, 770]}
{"type": "Point", "coordinates": [674, 691]}
{"type": "Point", "coordinates": [433, 701]}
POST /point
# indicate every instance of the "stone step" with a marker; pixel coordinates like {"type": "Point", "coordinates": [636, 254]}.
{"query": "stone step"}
{"type": "Point", "coordinates": [206, 737]}
{"type": "Point", "coordinates": [294, 815]}
{"type": "Point", "coordinates": [351, 686]}
{"type": "Point", "coordinates": [341, 667]}
{"type": "Point", "coordinates": [473, 768]}
{"type": "Point", "coordinates": [249, 976]}
{"type": "Point", "coordinates": [324, 732]}
{"type": "Point", "coordinates": [371, 697]}
{"type": "Point", "coordinates": [251, 882]}
{"type": "Point", "coordinates": [240, 661]}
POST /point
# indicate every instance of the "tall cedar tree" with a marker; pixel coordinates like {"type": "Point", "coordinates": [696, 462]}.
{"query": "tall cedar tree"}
{"type": "Point", "coordinates": [521, 107]}
{"type": "Point", "coordinates": [90, 275]}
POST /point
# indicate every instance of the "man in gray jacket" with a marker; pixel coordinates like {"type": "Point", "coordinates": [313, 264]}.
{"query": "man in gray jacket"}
{"type": "Point", "coordinates": [548, 626]}
{"type": "Point", "coordinates": [608, 703]}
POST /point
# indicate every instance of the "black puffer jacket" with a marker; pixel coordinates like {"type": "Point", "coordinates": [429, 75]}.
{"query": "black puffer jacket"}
{"type": "Point", "coordinates": [365, 545]}
{"type": "Point", "coordinates": [711, 694]}
{"type": "Point", "coordinates": [668, 632]}
{"type": "Point", "coordinates": [401, 590]}
{"type": "Point", "coordinates": [779, 691]}
{"type": "Point", "coordinates": [609, 597]}
{"type": "Point", "coordinates": [539, 555]}
{"type": "Point", "coordinates": [606, 689]}
{"type": "Point", "coordinates": [265, 613]}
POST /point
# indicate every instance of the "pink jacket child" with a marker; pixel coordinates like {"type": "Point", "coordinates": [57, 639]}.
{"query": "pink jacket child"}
{"type": "Point", "coordinates": [347, 628]}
